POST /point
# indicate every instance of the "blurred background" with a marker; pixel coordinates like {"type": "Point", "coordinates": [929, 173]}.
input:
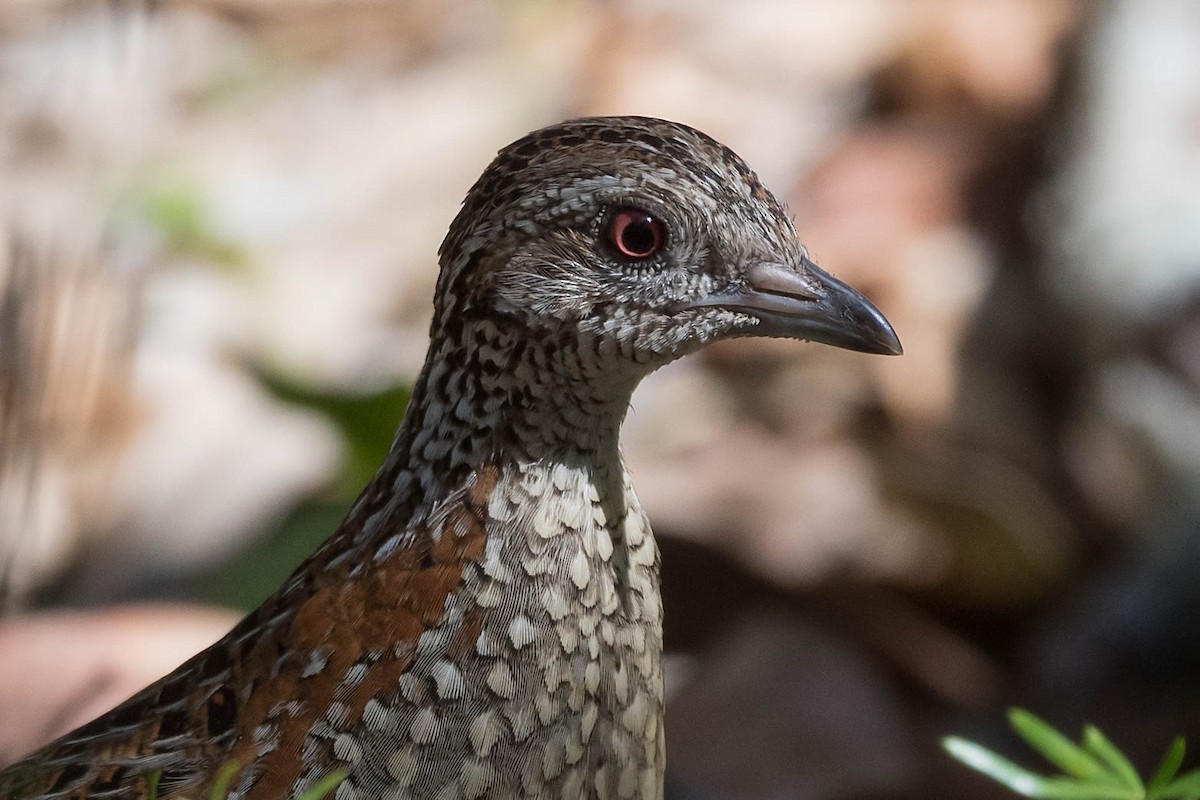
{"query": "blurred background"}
{"type": "Point", "coordinates": [218, 228]}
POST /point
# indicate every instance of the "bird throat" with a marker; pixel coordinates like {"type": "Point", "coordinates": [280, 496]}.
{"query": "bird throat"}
{"type": "Point", "coordinates": [491, 396]}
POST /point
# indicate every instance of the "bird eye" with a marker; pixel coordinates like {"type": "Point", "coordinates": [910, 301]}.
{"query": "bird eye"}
{"type": "Point", "coordinates": [636, 234]}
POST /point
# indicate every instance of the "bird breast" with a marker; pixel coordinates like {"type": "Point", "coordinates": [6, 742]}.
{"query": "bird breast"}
{"type": "Point", "coordinates": [559, 693]}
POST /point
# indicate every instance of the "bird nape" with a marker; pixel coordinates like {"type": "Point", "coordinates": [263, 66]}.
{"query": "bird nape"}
{"type": "Point", "coordinates": [486, 621]}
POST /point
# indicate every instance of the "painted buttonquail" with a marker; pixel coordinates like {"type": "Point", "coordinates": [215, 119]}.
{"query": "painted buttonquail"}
{"type": "Point", "coordinates": [486, 622]}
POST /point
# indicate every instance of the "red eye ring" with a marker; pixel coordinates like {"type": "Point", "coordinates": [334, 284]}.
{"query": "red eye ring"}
{"type": "Point", "coordinates": [635, 234]}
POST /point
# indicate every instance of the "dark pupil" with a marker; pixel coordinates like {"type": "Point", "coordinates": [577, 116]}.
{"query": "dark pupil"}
{"type": "Point", "coordinates": [638, 236]}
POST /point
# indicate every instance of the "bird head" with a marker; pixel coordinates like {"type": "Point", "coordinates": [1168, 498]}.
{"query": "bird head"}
{"type": "Point", "coordinates": [643, 240]}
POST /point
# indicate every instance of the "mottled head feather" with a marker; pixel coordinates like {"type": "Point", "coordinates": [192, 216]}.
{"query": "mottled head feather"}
{"type": "Point", "coordinates": [527, 244]}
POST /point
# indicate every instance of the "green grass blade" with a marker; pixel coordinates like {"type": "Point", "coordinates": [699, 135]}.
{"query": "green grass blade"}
{"type": "Point", "coordinates": [220, 785]}
{"type": "Point", "coordinates": [1026, 783]}
{"type": "Point", "coordinates": [152, 780]}
{"type": "Point", "coordinates": [1167, 769]}
{"type": "Point", "coordinates": [324, 787]}
{"type": "Point", "coordinates": [1185, 787]}
{"type": "Point", "coordinates": [1068, 789]}
{"type": "Point", "coordinates": [1098, 745]}
{"type": "Point", "coordinates": [1058, 749]}
{"type": "Point", "coordinates": [996, 767]}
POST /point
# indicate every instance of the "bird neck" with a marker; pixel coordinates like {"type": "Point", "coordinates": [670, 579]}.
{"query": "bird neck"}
{"type": "Point", "coordinates": [489, 397]}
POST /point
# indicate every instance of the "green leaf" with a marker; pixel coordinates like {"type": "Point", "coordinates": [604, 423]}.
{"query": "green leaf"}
{"type": "Point", "coordinates": [152, 780]}
{"type": "Point", "coordinates": [367, 421]}
{"type": "Point", "coordinates": [1185, 787]}
{"type": "Point", "coordinates": [1167, 769]}
{"type": "Point", "coordinates": [1098, 745]}
{"type": "Point", "coordinates": [324, 787]}
{"type": "Point", "coordinates": [1068, 789]}
{"type": "Point", "coordinates": [245, 580]}
{"type": "Point", "coordinates": [177, 210]}
{"type": "Point", "coordinates": [996, 767]}
{"type": "Point", "coordinates": [220, 785]}
{"type": "Point", "coordinates": [1058, 749]}
{"type": "Point", "coordinates": [1026, 783]}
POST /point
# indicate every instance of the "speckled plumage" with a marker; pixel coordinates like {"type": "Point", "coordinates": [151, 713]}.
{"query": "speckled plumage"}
{"type": "Point", "coordinates": [486, 622]}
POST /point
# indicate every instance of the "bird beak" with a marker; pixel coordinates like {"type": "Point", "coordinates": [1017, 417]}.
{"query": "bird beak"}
{"type": "Point", "coordinates": [809, 304]}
